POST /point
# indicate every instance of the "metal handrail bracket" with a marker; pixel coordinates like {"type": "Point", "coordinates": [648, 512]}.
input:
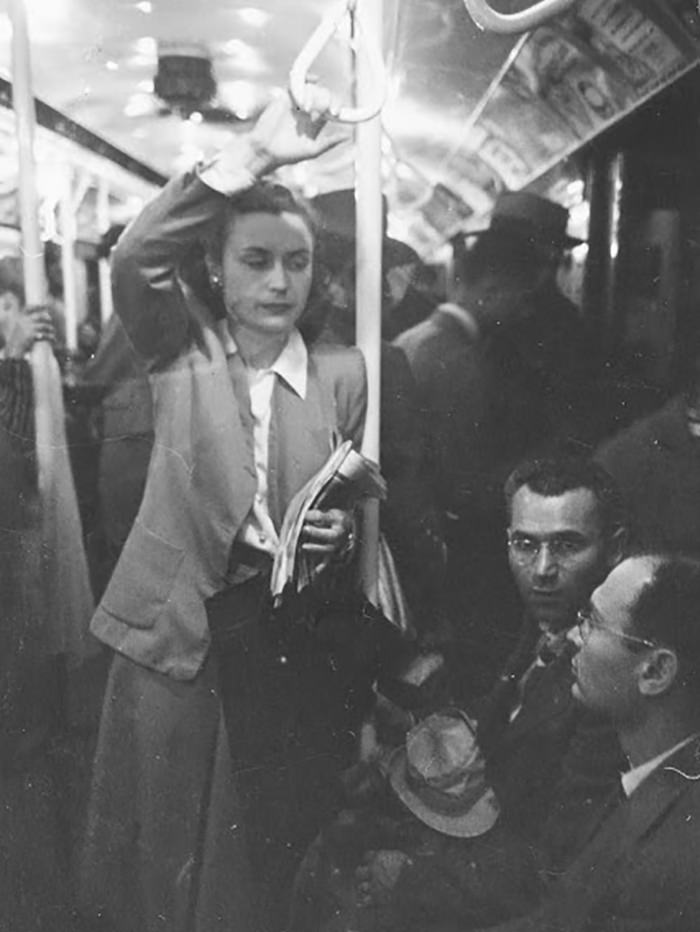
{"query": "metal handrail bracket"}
{"type": "Point", "coordinates": [490, 20]}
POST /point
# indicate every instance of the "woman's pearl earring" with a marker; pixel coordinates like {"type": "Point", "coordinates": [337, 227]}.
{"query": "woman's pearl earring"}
{"type": "Point", "coordinates": [215, 280]}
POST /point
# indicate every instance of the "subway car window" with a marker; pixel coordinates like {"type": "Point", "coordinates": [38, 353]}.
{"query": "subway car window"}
{"type": "Point", "coordinates": [349, 465]}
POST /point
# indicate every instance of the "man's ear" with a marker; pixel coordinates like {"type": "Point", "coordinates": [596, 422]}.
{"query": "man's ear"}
{"type": "Point", "coordinates": [616, 547]}
{"type": "Point", "coordinates": [659, 671]}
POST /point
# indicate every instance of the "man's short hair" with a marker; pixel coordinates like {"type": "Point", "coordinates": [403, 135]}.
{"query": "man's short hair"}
{"type": "Point", "coordinates": [667, 611]}
{"type": "Point", "coordinates": [554, 476]}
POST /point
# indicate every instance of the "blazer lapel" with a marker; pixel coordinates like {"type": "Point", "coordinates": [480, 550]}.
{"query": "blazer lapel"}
{"type": "Point", "coordinates": [301, 428]}
{"type": "Point", "coordinates": [661, 788]}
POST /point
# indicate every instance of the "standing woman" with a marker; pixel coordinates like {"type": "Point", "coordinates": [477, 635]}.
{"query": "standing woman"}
{"type": "Point", "coordinates": [245, 414]}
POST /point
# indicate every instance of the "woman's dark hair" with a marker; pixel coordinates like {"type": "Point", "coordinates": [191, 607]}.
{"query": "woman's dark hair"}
{"type": "Point", "coordinates": [266, 197]}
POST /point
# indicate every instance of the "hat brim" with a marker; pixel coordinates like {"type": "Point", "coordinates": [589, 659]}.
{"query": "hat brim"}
{"type": "Point", "coordinates": [478, 817]}
{"type": "Point", "coordinates": [338, 250]}
{"type": "Point", "coordinates": [395, 253]}
{"type": "Point", "coordinates": [567, 242]}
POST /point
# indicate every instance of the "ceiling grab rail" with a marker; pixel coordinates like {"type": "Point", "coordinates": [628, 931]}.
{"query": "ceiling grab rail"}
{"type": "Point", "coordinates": [491, 20]}
{"type": "Point", "coordinates": [362, 41]}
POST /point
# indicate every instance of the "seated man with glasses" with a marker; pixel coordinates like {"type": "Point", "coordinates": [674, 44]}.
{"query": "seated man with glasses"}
{"type": "Point", "coordinates": [551, 762]}
{"type": "Point", "coordinates": [638, 662]}
{"type": "Point", "coordinates": [548, 760]}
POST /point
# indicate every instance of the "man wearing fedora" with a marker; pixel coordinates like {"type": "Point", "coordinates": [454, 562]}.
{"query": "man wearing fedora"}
{"type": "Point", "coordinates": [499, 372]}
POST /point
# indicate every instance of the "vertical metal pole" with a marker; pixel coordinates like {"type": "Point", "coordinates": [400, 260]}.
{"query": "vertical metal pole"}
{"type": "Point", "coordinates": [32, 250]}
{"type": "Point", "coordinates": [67, 226]}
{"type": "Point", "coordinates": [597, 282]}
{"type": "Point", "coordinates": [103, 224]}
{"type": "Point", "coordinates": [23, 103]}
{"type": "Point", "coordinates": [369, 278]}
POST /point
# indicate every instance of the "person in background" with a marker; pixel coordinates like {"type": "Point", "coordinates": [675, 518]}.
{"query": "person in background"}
{"type": "Point", "coordinates": [656, 464]}
{"type": "Point", "coordinates": [26, 712]}
{"type": "Point", "coordinates": [116, 378]}
{"type": "Point", "coordinates": [547, 760]}
{"type": "Point", "coordinates": [549, 763]}
{"type": "Point", "coordinates": [637, 662]}
{"type": "Point", "coordinates": [434, 822]}
{"type": "Point", "coordinates": [246, 412]}
{"type": "Point", "coordinates": [33, 869]}
{"type": "Point", "coordinates": [409, 518]}
{"type": "Point", "coordinates": [497, 368]}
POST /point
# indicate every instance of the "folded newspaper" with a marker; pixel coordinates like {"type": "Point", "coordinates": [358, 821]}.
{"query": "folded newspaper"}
{"type": "Point", "coordinates": [346, 478]}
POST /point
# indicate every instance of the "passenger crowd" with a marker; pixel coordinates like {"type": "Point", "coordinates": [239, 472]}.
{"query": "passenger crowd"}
{"type": "Point", "coordinates": [521, 753]}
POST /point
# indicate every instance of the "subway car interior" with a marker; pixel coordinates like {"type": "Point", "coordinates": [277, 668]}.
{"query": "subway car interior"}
{"type": "Point", "coordinates": [350, 406]}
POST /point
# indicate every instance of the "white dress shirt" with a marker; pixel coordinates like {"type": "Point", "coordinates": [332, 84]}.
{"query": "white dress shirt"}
{"type": "Point", "coordinates": [291, 365]}
{"type": "Point", "coordinates": [632, 778]}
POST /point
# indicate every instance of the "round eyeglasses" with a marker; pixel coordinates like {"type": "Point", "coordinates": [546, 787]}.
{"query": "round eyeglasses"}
{"type": "Point", "coordinates": [562, 550]}
{"type": "Point", "coordinates": [588, 621]}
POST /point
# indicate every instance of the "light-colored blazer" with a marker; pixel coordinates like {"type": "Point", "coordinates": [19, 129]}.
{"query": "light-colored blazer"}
{"type": "Point", "coordinates": [201, 481]}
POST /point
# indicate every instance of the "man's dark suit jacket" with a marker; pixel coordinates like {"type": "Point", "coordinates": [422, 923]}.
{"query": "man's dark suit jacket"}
{"type": "Point", "coordinates": [639, 870]}
{"type": "Point", "coordinates": [553, 764]}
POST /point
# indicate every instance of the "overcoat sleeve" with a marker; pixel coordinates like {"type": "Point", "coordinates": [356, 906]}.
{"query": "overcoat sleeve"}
{"type": "Point", "coordinates": [16, 400]}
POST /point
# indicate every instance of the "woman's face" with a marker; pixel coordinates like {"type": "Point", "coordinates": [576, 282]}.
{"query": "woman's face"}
{"type": "Point", "coordinates": [266, 271]}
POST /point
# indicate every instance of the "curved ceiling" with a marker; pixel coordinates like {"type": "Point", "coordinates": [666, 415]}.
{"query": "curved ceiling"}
{"type": "Point", "coordinates": [467, 113]}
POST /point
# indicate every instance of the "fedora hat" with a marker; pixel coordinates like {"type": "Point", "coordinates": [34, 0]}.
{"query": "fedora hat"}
{"type": "Point", "coordinates": [439, 775]}
{"type": "Point", "coordinates": [335, 214]}
{"type": "Point", "coordinates": [529, 215]}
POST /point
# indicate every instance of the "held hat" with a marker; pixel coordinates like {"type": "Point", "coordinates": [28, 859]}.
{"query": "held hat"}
{"type": "Point", "coordinates": [439, 775]}
{"type": "Point", "coordinates": [541, 221]}
{"type": "Point", "coordinates": [335, 213]}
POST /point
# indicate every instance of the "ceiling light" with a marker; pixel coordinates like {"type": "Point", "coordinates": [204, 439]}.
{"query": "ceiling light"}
{"type": "Point", "coordinates": [244, 56]}
{"type": "Point", "coordinates": [138, 105]}
{"type": "Point", "coordinates": [111, 66]}
{"type": "Point", "coordinates": [146, 45]}
{"type": "Point", "coordinates": [145, 52]}
{"type": "Point", "coordinates": [145, 6]}
{"type": "Point", "coordinates": [253, 16]}
{"type": "Point", "coordinates": [241, 97]}
{"type": "Point", "coordinates": [196, 117]}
